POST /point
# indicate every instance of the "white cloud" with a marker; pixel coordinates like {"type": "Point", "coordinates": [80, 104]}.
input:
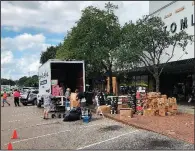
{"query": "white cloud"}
{"type": "Point", "coordinates": [60, 16]}
{"type": "Point", "coordinates": [19, 67]}
{"type": "Point", "coordinates": [31, 47]}
{"type": "Point", "coordinates": [24, 42]}
{"type": "Point", "coordinates": [6, 57]}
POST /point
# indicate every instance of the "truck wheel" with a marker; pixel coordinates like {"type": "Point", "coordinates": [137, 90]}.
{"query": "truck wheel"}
{"type": "Point", "coordinates": [25, 104]}
{"type": "Point", "coordinates": [53, 116]}
{"type": "Point", "coordinates": [38, 105]}
{"type": "Point", "coordinates": [34, 102]}
{"type": "Point", "coordinates": [59, 116]}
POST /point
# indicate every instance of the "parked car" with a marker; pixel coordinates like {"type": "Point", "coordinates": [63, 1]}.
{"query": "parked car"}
{"type": "Point", "coordinates": [29, 97]}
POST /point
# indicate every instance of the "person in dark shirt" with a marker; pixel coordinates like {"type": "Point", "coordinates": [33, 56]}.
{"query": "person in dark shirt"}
{"type": "Point", "coordinates": [81, 98]}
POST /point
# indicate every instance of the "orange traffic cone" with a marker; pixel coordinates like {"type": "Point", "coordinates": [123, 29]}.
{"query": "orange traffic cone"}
{"type": "Point", "coordinates": [9, 147]}
{"type": "Point", "coordinates": [14, 136]}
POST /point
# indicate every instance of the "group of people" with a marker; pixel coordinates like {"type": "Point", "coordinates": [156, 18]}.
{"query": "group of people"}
{"type": "Point", "coordinates": [16, 95]}
{"type": "Point", "coordinates": [80, 97]}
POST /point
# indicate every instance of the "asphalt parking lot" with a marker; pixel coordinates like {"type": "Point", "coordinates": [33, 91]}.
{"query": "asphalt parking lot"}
{"type": "Point", "coordinates": [100, 133]}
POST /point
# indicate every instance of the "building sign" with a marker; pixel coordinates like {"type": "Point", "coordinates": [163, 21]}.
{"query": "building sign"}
{"type": "Point", "coordinates": [183, 24]}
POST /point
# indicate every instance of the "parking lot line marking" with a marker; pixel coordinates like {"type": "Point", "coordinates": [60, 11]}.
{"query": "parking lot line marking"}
{"type": "Point", "coordinates": [14, 121]}
{"type": "Point", "coordinates": [106, 140]}
{"type": "Point", "coordinates": [22, 120]}
{"type": "Point", "coordinates": [55, 122]}
{"type": "Point", "coordinates": [24, 140]}
{"type": "Point", "coordinates": [31, 138]}
{"type": "Point", "coordinates": [25, 114]}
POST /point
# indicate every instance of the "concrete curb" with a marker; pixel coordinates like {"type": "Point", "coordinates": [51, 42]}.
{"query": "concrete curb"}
{"type": "Point", "coordinates": [140, 127]}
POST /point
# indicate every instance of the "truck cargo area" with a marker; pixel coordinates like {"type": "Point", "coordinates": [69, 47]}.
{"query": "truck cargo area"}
{"type": "Point", "coordinates": [68, 74]}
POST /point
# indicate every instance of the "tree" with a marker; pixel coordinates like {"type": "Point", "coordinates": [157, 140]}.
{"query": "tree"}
{"type": "Point", "coordinates": [29, 81]}
{"type": "Point", "coordinates": [7, 82]}
{"type": "Point", "coordinates": [50, 53]}
{"type": "Point", "coordinates": [147, 41]}
{"type": "Point", "coordinates": [94, 39]}
{"type": "Point", "coordinates": [22, 80]}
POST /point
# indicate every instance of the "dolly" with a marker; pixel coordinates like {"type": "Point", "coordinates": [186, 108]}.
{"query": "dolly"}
{"type": "Point", "coordinates": [57, 109]}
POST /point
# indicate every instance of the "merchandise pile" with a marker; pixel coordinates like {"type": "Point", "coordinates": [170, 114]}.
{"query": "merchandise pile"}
{"type": "Point", "coordinates": [140, 99]}
{"type": "Point", "coordinates": [157, 104]}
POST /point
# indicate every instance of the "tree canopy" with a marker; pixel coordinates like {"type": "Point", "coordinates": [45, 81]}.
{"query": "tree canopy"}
{"type": "Point", "coordinates": [95, 39]}
{"type": "Point", "coordinates": [29, 81]}
{"type": "Point", "coordinates": [50, 53]}
{"type": "Point", "coordinates": [7, 82]}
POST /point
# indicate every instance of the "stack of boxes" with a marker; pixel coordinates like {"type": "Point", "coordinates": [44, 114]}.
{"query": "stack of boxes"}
{"type": "Point", "coordinates": [157, 104]}
{"type": "Point", "coordinates": [56, 90]}
{"type": "Point", "coordinates": [125, 107]}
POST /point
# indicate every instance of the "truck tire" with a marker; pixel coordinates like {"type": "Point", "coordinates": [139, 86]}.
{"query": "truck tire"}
{"type": "Point", "coordinates": [39, 105]}
{"type": "Point", "coordinates": [34, 102]}
{"type": "Point", "coordinates": [25, 104]}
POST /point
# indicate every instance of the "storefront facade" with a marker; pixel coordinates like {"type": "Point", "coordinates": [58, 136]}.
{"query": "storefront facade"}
{"type": "Point", "coordinates": [180, 70]}
{"type": "Point", "coordinates": [177, 16]}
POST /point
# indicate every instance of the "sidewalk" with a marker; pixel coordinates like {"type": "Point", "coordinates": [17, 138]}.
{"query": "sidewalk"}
{"type": "Point", "coordinates": [180, 126]}
{"type": "Point", "coordinates": [189, 109]}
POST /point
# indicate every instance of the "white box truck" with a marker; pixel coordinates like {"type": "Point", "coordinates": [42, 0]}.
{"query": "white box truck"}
{"type": "Point", "coordinates": [69, 73]}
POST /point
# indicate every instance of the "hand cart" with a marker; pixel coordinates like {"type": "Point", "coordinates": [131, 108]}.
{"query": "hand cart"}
{"type": "Point", "coordinates": [57, 107]}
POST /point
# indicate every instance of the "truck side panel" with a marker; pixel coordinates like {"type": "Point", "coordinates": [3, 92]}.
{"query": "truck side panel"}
{"type": "Point", "coordinates": [44, 78]}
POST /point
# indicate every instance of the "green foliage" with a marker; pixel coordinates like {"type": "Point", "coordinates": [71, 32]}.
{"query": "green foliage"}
{"type": "Point", "coordinates": [7, 82]}
{"type": "Point", "coordinates": [95, 39]}
{"type": "Point", "coordinates": [29, 81]}
{"type": "Point", "coordinates": [50, 53]}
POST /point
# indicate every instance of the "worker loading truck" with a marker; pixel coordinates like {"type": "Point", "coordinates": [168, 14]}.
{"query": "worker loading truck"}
{"type": "Point", "coordinates": [55, 76]}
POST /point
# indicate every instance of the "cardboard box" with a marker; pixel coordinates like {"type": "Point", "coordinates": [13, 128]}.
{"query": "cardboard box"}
{"type": "Point", "coordinates": [125, 106]}
{"type": "Point", "coordinates": [172, 100]}
{"type": "Point", "coordinates": [168, 113]}
{"type": "Point", "coordinates": [149, 112]}
{"type": "Point", "coordinates": [172, 110]}
{"type": "Point", "coordinates": [164, 96]}
{"type": "Point", "coordinates": [162, 112]}
{"type": "Point", "coordinates": [126, 112]}
{"type": "Point", "coordinates": [161, 106]}
{"type": "Point", "coordinates": [157, 112]}
{"type": "Point", "coordinates": [161, 101]}
{"type": "Point", "coordinates": [55, 90]}
{"type": "Point", "coordinates": [120, 106]}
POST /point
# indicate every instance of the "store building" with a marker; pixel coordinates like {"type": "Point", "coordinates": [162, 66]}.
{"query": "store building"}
{"type": "Point", "coordinates": [177, 15]}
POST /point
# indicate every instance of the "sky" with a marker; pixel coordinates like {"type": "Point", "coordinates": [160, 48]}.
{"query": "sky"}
{"type": "Point", "coordinates": [29, 27]}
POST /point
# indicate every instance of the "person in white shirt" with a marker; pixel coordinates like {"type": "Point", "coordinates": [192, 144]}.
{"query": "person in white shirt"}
{"type": "Point", "coordinates": [47, 103]}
